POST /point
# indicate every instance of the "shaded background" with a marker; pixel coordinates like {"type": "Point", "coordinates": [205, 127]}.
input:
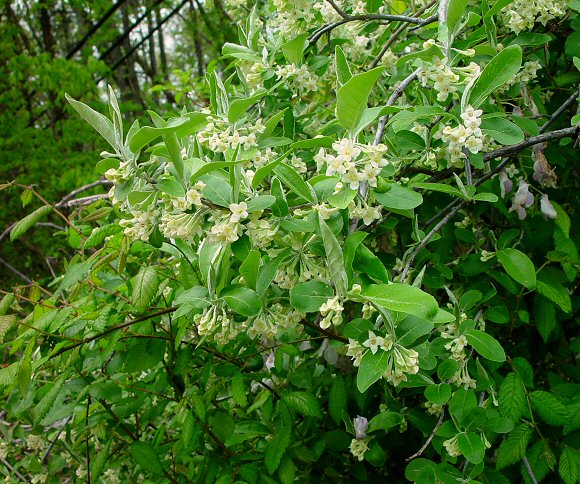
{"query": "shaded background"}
{"type": "Point", "coordinates": [152, 52]}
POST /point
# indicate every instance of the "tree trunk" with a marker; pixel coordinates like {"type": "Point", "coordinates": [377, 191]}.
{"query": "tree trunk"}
{"type": "Point", "coordinates": [152, 57]}
{"type": "Point", "coordinates": [46, 28]}
{"type": "Point", "coordinates": [161, 42]}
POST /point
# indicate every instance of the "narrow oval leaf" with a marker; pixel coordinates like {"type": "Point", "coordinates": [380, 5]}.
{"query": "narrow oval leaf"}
{"type": "Point", "coordinates": [334, 258]}
{"type": "Point", "coordinates": [500, 69]}
{"type": "Point", "coordinates": [371, 369]}
{"type": "Point", "coordinates": [243, 300]}
{"type": "Point", "coordinates": [29, 221]}
{"type": "Point", "coordinates": [307, 297]}
{"type": "Point", "coordinates": [402, 298]}
{"type": "Point", "coordinates": [486, 345]}
{"type": "Point", "coordinates": [146, 457]}
{"type": "Point", "coordinates": [145, 286]}
{"type": "Point", "coordinates": [352, 98]}
{"type": "Point", "coordinates": [519, 266]}
{"type": "Point", "coordinates": [399, 198]}
{"type": "Point", "coordinates": [471, 446]}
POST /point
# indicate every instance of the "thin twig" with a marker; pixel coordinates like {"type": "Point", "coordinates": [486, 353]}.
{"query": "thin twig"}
{"type": "Point", "coordinates": [529, 470]}
{"type": "Point", "coordinates": [85, 200]}
{"type": "Point", "coordinates": [567, 103]}
{"type": "Point", "coordinates": [428, 237]}
{"type": "Point", "coordinates": [84, 188]}
{"type": "Point", "coordinates": [430, 438]}
{"type": "Point", "coordinates": [53, 441]}
{"type": "Point", "coordinates": [396, 34]}
{"type": "Point", "coordinates": [397, 93]}
{"type": "Point", "coordinates": [367, 18]}
{"type": "Point", "coordinates": [16, 271]}
{"type": "Point", "coordinates": [11, 469]}
{"type": "Point", "coordinates": [112, 329]}
{"type": "Point", "coordinates": [511, 151]}
{"type": "Point", "coordinates": [87, 447]}
{"type": "Point", "coordinates": [534, 140]}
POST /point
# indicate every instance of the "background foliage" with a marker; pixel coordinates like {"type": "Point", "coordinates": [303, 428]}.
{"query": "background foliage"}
{"type": "Point", "coordinates": [342, 247]}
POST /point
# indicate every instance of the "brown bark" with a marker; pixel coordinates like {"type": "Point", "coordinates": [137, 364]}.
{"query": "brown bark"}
{"type": "Point", "coordinates": [46, 28]}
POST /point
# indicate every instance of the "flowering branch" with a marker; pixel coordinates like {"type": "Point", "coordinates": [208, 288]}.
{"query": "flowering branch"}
{"type": "Point", "coordinates": [370, 18]}
{"type": "Point", "coordinates": [430, 438]}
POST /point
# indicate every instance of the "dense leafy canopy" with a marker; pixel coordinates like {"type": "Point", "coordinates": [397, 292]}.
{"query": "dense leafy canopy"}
{"type": "Point", "coordinates": [354, 258]}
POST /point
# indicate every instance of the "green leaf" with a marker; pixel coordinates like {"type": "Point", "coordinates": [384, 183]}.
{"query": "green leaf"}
{"type": "Point", "coordinates": [513, 448]}
{"type": "Point", "coordinates": [502, 130]}
{"type": "Point", "coordinates": [439, 187]}
{"type": "Point", "coordinates": [471, 446]}
{"type": "Point", "coordinates": [100, 123]}
{"type": "Point", "coordinates": [350, 246]}
{"type": "Point", "coordinates": [485, 344]}
{"type": "Point", "coordinates": [145, 286]}
{"type": "Point", "coordinates": [385, 421]}
{"type": "Point", "coordinates": [99, 234]}
{"type": "Point", "coordinates": [217, 188]}
{"type": "Point", "coordinates": [438, 394]}
{"type": "Point", "coordinates": [307, 297]}
{"type": "Point", "coordinates": [276, 449]}
{"type": "Point", "coordinates": [512, 397]}
{"type": "Point", "coordinates": [399, 197]}
{"type": "Point", "coordinates": [243, 300]}
{"type": "Point", "coordinates": [29, 221]}
{"type": "Point", "coordinates": [249, 269]}
{"type": "Point", "coordinates": [211, 167]}
{"type": "Point", "coordinates": [352, 97]}
{"type": "Point", "coordinates": [411, 329]}
{"type": "Point", "coordinates": [544, 317]}
{"type": "Point", "coordinates": [9, 374]}
{"type": "Point", "coordinates": [461, 403]}
{"type": "Point", "coordinates": [261, 202]}
{"type": "Point", "coordinates": [568, 468]}
{"type": "Point", "coordinates": [343, 72]}
{"type": "Point", "coordinates": [531, 39]}
{"type": "Point", "coordinates": [48, 400]}
{"type": "Point", "coordinates": [99, 461]}
{"type": "Point", "coordinates": [287, 471]}
{"type": "Point", "coordinates": [239, 107]}
{"type": "Point", "coordinates": [371, 369]}
{"type": "Point", "coordinates": [304, 403]}
{"type": "Point", "coordinates": [294, 49]}
{"type": "Point", "coordinates": [198, 406]}
{"type": "Point", "coordinates": [504, 66]}
{"type": "Point", "coordinates": [267, 272]}
{"type": "Point", "coordinates": [549, 408]}
{"type": "Point", "coordinates": [292, 180]}
{"type": "Point", "coordinates": [317, 142]}
{"type": "Point", "coordinates": [144, 455]}
{"type": "Point", "coordinates": [499, 425]}
{"type": "Point", "coordinates": [519, 266]}
{"type": "Point", "coordinates": [403, 298]}
{"type": "Point", "coordinates": [238, 390]}
{"type": "Point", "coordinates": [196, 297]}
{"type": "Point", "coordinates": [334, 258]}
{"type": "Point", "coordinates": [549, 286]}
{"type": "Point", "coordinates": [337, 399]}
{"type": "Point", "coordinates": [180, 127]}
{"type": "Point", "coordinates": [368, 263]}
{"type": "Point", "coordinates": [171, 186]}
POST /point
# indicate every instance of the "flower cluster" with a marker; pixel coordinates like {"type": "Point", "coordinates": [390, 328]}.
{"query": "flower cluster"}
{"type": "Point", "coordinates": [401, 361]}
{"type": "Point", "coordinates": [464, 136]}
{"type": "Point", "coordinates": [300, 80]}
{"type": "Point", "coordinates": [358, 445]}
{"type": "Point", "coordinates": [353, 163]}
{"type": "Point", "coordinates": [331, 311]}
{"type": "Point", "coordinates": [523, 14]}
{"type": "Point", "coordinates": [221, 136]}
